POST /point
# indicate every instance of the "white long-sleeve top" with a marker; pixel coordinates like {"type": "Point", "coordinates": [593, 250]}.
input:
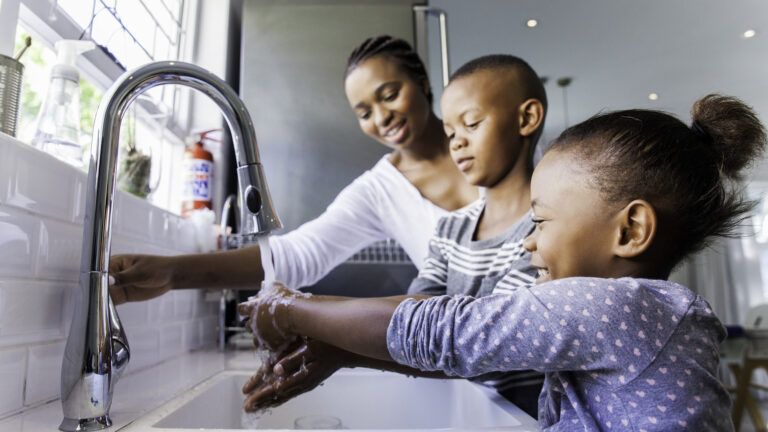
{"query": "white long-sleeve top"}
{"type": "Point", "coordinates": [378, 205]}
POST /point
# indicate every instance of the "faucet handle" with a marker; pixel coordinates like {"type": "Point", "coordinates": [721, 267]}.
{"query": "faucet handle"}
{"type": "Point", "coordinates": [121, 351]}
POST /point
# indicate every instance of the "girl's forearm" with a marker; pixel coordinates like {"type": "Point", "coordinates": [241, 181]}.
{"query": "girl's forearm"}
{"type": "Point", "coordinates": [355, 325]}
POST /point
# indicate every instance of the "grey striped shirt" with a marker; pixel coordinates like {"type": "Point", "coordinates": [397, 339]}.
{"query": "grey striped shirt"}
{"type": "Point", "coordinates": [458, 265]}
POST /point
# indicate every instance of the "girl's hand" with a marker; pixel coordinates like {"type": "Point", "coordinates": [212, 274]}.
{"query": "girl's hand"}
{"type": "Point", "coordinates": [268, 316]}
{"type": "Point", "coordinates": [295, 373]}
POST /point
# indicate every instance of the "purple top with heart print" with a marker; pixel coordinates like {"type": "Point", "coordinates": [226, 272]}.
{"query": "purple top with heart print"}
{"type": "Point", "coordinates": [618, 354]}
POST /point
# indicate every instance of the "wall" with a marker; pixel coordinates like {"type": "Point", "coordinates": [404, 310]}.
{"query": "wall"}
{"type": "Point", "coordinates": [41, 217]}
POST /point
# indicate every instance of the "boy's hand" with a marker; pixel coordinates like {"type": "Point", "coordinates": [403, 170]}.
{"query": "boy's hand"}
{"type": "Point", "coordinates": [268, 317]}
{"type": "Point", "coordinates": [295, 373]}
{"type": "Point", "coordinates": [139, 277]}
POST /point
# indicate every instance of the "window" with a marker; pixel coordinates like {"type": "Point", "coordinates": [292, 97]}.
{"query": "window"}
{"type": "Point", "coordinates": [129, 33]}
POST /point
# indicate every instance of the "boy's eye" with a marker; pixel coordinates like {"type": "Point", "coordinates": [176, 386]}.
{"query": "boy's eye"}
{"type": "Point", "coordinates": [473, 126]}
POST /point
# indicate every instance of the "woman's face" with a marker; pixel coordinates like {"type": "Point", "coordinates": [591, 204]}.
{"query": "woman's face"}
{"type": "Point", "coordinates": [390, 107]}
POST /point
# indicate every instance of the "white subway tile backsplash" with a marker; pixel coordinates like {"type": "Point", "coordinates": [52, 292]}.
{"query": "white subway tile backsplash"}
{"type": "Point", "coordinates": [134, 313]}
{"type": "Point", "coordinates": [42, 184]}
{"type": "Point", "coordinates": [5, 172]}
{"type": "Point", "coordinates": [19, 232]}
{"type": "Point", "coordinates": [133, 216]}
{"type": "Point", "coordinates": [60, 247]}
{"type": "Point", "coordinates": [171, 340]}
{"type": "Point", "coordinates": [12, 371]}
{"type": "Point", "coordinates": [43, 372]}
{"type": "Point", "coordinates": [144, 344]}
{"type": "Point", "coordinates": [42, 204]}
{"type": "Point", "coordinates": [31, 311]}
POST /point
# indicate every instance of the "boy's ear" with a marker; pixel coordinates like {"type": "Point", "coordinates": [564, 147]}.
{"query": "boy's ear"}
{"type": "Point", "coordinates": [531, 116]}
{"type": "Point", "coordinates": [637, 225]}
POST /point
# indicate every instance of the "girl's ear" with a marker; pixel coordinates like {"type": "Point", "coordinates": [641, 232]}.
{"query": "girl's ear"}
{"type": "Point", "coordinates": [531, 116]}
{"type": "Point", "coordinates": [637, 226]}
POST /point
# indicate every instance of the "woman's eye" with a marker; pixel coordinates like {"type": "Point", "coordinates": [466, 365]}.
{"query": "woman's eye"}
{"type": "Point", "coordinates": [537, 221]}
{"type": "Point", "coordinates": [390, 97]}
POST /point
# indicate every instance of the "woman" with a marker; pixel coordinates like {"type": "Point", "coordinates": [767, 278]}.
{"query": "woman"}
{"type": "Point", "coordinates": [401, 197]}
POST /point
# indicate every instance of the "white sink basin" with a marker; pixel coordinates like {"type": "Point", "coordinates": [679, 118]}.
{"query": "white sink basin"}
{"type": "Point", "coordinates": [361, 399]}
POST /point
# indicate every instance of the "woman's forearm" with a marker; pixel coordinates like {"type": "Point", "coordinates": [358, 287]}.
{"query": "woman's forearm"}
{"type": "Point", "coordinates": [235, 269]}
{"type": "Point", "coordinates": [355, 325]}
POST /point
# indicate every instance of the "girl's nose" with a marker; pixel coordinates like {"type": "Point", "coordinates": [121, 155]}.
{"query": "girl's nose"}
{"type": "Point", "coordinates": [530, 242]}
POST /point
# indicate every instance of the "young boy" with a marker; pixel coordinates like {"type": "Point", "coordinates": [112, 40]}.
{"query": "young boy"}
{"type": "Point", "coordinates": [494, 110]}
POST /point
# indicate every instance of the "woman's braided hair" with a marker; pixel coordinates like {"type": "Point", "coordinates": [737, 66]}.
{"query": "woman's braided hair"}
{"type": "Point", "coordinates": [395, 49]}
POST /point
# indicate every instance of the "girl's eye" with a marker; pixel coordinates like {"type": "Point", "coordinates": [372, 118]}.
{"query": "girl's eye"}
{"type": "Point", "coordinates": [365, 115]}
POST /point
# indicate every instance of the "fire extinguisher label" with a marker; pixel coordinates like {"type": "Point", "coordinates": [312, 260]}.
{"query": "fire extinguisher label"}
{"type": "Point", "coordinates": [197, 185]}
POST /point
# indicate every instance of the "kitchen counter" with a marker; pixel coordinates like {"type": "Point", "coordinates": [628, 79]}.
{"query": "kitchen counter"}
{"type": "Point", "coordinates": [139, 392]}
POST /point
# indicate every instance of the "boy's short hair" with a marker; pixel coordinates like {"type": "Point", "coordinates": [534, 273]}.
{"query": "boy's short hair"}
{"type": "Point", "coordinates": [529, 82]}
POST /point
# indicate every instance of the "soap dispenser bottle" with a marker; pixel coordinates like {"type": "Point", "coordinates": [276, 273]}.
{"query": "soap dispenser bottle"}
{"type": "Point", "coordinates": [58, 122]}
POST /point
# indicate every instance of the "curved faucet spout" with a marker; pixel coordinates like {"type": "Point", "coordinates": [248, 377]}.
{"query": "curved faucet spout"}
{"type": "Point", "coordinates": [97, 350]}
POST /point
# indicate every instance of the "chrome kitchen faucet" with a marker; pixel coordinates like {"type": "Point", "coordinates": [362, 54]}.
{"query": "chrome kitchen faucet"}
{"type": "Point", "coordinates": [97, 350]}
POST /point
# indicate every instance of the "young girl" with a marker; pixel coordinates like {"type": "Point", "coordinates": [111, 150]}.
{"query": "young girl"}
{"type": "Point", "coordinates": [401, 197]}
{"type": "Point", "coordinates": [619, 200]}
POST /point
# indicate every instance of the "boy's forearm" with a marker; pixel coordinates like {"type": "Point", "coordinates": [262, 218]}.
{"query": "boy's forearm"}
{"type": "Point", "coordinates": [356, 325]}
{"type": "Point", "coordinates": [235, 269]}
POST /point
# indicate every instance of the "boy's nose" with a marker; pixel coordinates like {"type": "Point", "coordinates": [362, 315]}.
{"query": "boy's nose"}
{"type": "Point", "coordinates": [457, 143]}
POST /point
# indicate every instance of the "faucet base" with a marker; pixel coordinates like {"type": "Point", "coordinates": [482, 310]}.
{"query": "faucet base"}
{"type": "Point", "coordinates": [91, 424]}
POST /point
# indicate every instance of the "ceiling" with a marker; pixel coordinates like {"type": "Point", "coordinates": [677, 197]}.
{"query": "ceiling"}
{"type": "Point", "coordinates": [620, 51]}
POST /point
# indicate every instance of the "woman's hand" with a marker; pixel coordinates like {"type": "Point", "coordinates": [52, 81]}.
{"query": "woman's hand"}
{"type": "Point", "coordinates": [139, 277]}
{"type": "Point", "coordinates": [295, 373]}
{"type": "Point", "coordinates": [268, 316]}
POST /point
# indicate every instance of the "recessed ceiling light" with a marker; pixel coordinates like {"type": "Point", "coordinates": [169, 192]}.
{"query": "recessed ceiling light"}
{"type": "Point", "coordinates": [749, 34]}
{"type": "Point", "coordinates": [531, 23]}
{"type": "Point", "coordinates": [653, 96]}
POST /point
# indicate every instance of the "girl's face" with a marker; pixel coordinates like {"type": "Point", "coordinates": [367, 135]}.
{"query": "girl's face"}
{"type": "Point", "coordinates": [575, 227]}
{"type": "Point", "coordinates": [481, 121]}
{"type": "Point", "coordinates": [390, 107]}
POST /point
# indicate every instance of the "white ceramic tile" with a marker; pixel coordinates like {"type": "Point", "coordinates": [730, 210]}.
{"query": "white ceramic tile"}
{"type": "Point", "coordinates": [19, 232]}
{"type": "Point", "coordinates": [144, 346]}
{"type": "Point", "coordinates": [209, 330]}
{"type": "Point", "coordinates": [31, 311]}
{"type": "Point", "coordinates": [12, 371]}
{"type": "Point", "coordinates": [6, 174]}
{"type": "Point", "coordinates": [60, 246]}
{"type": "Point", "coordinates": [171, 341]}
{"type": "Point", "coordinates": [166, 313]}
{"type": "Point", "coordinates": [42, 184]}
{"type": "Point", "coordinates": [134, 314]}
{"type": "Point", "coordinates": [133, 216]}
{"type": "Point", "coordinates": [78, 204]}
{"type": "Point", "coordinates": [43, 372]}
{"type": "Point", "coordinates": [183, 309]}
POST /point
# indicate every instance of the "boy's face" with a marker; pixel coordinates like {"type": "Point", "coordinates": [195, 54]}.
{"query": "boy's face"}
{"type": "Point", "coordinates": [574, 225]}
{"type": "Point", "coordinates": [482, 121]}
{"type": "Point", "coordinates": [390, 107]}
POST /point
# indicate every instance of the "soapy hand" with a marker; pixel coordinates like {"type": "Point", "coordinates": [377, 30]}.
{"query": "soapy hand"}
{"type": "Point", "coordinates": [294, 373]}
{"type": "Point", "coordinates": [268, 316]}
{"type": "Point", "coordinates": [138, 277]}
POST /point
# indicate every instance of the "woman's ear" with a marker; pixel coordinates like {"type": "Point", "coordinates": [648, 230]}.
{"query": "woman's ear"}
{"type": "Point", "coordinates": [636, 229]}
{"type": "Point", "coordinates": [531, 117]}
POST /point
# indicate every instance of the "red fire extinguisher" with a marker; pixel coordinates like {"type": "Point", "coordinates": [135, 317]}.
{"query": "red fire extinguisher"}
{"type": "Point", "coordinates": [198, 174]}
